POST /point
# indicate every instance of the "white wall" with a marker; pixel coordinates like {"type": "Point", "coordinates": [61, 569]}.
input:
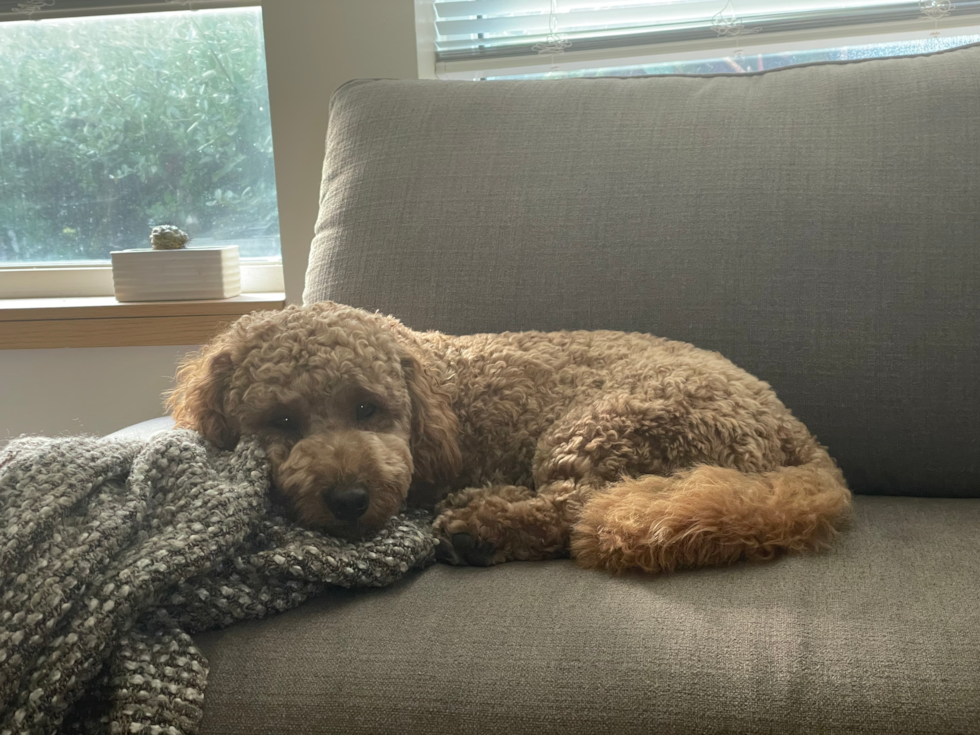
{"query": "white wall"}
{"type": "Point", "coordinates": [312, 47]}
{"type": "Point", "coordinates": [83, 391]}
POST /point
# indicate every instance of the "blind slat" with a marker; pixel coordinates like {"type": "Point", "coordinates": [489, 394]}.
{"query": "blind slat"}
{"type": "Point", "coordinates": [580, 20]}
{"type": "Point", "coordinates": [465, 8]}
{"type": "Point", "coordinates": [471, 29]}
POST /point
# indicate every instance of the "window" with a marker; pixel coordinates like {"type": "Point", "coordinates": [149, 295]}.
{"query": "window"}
{"type": "Point", "coordinates": [115, 123]}
{"type": "Point", "coordinates": [527, 39]}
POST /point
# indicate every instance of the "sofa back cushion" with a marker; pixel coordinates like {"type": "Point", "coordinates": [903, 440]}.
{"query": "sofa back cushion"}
{"type": "Point", "coordinates": [818, 225]}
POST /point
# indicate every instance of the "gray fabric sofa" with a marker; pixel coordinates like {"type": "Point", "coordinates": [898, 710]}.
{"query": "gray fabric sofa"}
{"type": "Point", "coordinates": [818, 225]}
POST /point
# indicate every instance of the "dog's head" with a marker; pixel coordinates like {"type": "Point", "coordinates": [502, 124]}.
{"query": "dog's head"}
{"type": "Point", "coordinates": [339, 400]}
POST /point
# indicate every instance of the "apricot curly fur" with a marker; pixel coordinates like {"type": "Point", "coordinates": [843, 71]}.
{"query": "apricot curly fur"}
{"type": "Point", "coordinates": [625, 451]}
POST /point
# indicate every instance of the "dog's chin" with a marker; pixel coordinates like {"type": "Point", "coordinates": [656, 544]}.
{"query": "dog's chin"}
{"type": "Point", "coordinates": [355, 531]}
{"type": "Point", "coordinates": [348, 531]}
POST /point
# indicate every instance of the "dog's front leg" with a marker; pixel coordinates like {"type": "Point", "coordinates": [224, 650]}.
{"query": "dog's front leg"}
{"type": "Point", "coordinates": [591, 446]}
{"type": "Point", "coordinates": [485, 526]}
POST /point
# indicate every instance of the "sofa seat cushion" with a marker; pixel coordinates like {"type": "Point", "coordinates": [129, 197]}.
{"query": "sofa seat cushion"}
{"type": "Point", "coordinates": [879, 635]}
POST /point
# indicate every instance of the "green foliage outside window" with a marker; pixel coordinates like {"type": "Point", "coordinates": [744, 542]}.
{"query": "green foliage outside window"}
{"type": "Point", "coordinates": [111, 125]}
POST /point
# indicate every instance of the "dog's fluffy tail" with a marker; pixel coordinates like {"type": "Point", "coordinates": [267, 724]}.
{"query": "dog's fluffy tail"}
{"type": "Point", "coordinates": [711, 515]}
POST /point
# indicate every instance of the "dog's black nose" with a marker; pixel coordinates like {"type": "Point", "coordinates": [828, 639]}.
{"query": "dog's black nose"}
{"type": "Point", "coordinates": [347, 502]}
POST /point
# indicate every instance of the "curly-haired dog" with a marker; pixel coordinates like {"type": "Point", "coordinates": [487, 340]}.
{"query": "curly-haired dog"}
{"type": "Point", "coordinates": [625, 451]}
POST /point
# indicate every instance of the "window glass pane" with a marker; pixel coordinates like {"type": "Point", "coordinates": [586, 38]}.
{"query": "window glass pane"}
{"type": "Point", "coordinates": [759, 62]}
{"type": "Point", "coordinates": [111, 125]}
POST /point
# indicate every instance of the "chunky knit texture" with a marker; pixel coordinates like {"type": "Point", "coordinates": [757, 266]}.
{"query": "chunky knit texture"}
{"type": "Point", "coordinates": [113, 551]}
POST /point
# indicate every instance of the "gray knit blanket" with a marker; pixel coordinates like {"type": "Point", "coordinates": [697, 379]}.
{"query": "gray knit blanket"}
{"type": "Point", "coordinates": [114, 551]}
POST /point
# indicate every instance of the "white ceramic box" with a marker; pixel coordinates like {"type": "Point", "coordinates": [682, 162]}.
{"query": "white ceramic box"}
{"type": "Point", "coordinates": [176, 275]}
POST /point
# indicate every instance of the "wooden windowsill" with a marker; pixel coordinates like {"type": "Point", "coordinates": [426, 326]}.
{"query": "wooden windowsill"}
{"type": "Point", "coordinates": [101, 321]}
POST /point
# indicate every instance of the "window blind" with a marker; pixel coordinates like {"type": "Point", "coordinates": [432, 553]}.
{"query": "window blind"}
{"type": "Point", "coordinates": [469, 30]}
{"type": "Point", "coordinates": [41, 9]}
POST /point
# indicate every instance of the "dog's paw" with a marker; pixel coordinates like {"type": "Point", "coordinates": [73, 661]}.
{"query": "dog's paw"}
{"type": "Point", "coordinates": [477, 526]}
{"type": "Point", "coordinates": [458, 545]}
{"type": "Point", "coordinates": [463, 549]}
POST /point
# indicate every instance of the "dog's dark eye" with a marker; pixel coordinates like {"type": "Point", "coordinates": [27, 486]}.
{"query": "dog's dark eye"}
{"type": "Point", "coordinates": [365, 411]}
{"type": "Point", "coordinates": [284, 423]}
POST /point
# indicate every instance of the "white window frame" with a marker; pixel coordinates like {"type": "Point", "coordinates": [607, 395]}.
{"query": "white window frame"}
{"type": "Point", "coordinates": [41, 280]}
{"type": "Point", "coordinates": [68, 279]}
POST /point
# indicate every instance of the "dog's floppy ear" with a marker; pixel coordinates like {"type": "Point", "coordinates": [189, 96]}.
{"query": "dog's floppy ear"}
{"type": "Point", "coordinates": [197, 401]}
{"type": "Point", "coordinates": [435, 451]}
